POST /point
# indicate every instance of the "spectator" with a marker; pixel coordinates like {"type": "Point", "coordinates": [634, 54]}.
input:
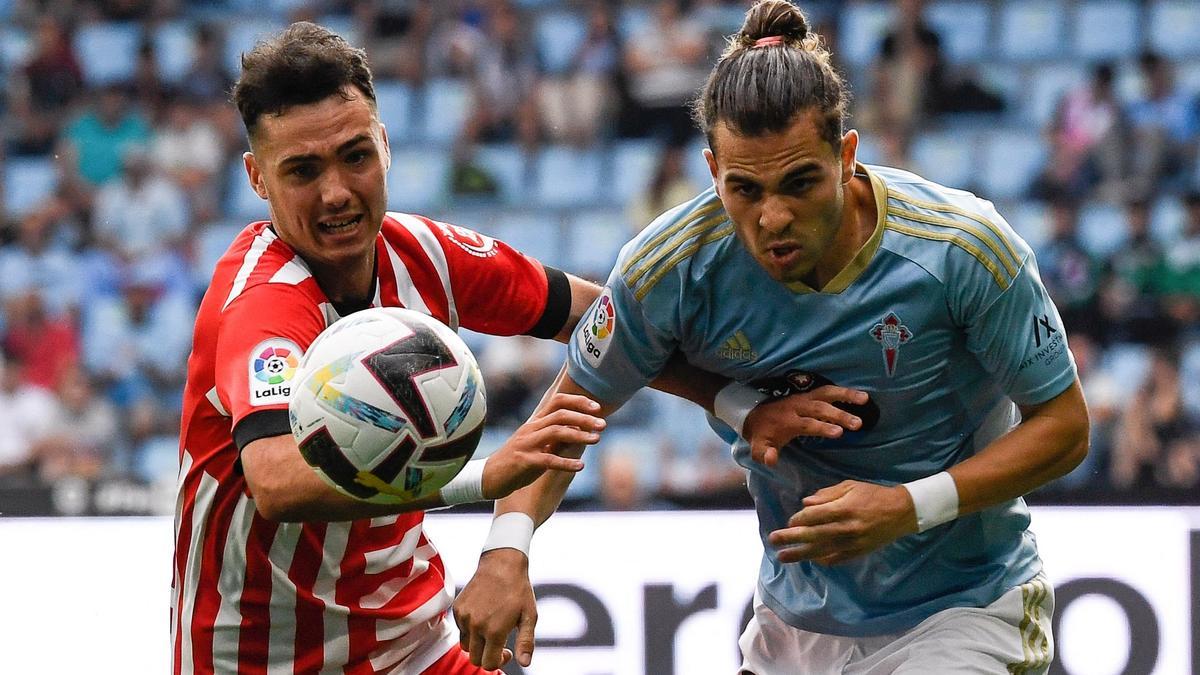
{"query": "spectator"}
{"type": "Point", "coordinates": [1088, 141]}
{"type": "Point", "coordinates": [664, 65]}
{"type": "Point", "coordinates": [141, 213]}
{"type": "Point", "coordinates": [669, 186]}
{"type": "Point", "coordinates": [1181, 278]}
{"type": "Point", "coordinates": [620, 486]}
{"type": "Point", "coordinates": [48, 346]}
{"type": "Point", "coordinates": [207, 79]}
{"type": "Point", "coordinates": [396, 35]}
{"type": "Point", "coordinates": [1104, 398]}
{"type": "Point", "coordinates": [1128, 294]}
{"type": "Point", "coordinates": [84, 432]}
{"type": "Point", "coordinates": [91, 146]}
{"type": "Point", "coordinates": [44, 88]}
{"type": "Point", "coordinates": [1068, 270]}
{"type": "Point", "coordinates": [25, 414]}
{"type": "Point", "coordinates": [39, 258]}
{"type": "Point", "coordinates": [576, 104]}
{"type": "Point", "coordinates": [908, 76]}
{"type": "Point", "coordinates": [503, 79]}
{"type": "Point", "coordinates": [189, 149]}
{"type": "Point", "coordinates": [517, 371]}
{"type": "Point", "coordinates": [1156, 446]}
{"type": "Point", "coordinates": [1165, 128]}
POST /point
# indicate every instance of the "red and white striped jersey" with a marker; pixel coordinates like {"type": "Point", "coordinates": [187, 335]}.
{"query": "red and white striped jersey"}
{"type": "Point", "coordinates": [255, 596]}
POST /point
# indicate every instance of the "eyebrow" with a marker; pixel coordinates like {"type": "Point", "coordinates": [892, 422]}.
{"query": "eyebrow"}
{"type": "Point", "coordinates": [295, 159]}
{"type": "Point", "coordinates": [800, 171]}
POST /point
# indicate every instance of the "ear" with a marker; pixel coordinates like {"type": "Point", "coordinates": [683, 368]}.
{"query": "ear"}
{"type": "Point", "coordinates": [254, 174]}
{"type": "Point", "coordinates": [387, 148]}
{"type": "Point", "coordinates": [712, 168]}
{"type": "Point", "coordinates": [849, 155]}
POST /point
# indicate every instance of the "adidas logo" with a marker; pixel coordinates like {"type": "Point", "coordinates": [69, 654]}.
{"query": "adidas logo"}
{"type": "Point", "coordinates": [737, 348]}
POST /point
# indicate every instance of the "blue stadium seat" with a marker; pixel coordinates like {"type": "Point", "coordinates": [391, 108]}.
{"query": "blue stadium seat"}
{"type": "Point", "coordinates": [1011, 160]}
{"type": "Point", "coordinates": [633, 20]}
{"type": "Point", "coordinates": [964, 26]}
{"type": "Point", "coordinates": [1189, 372]}
{"type": "Point", "coordinates": [241, 202]}
{"type": "Point", "coordinates": [1045, 87]}
{"type": "Point", "coordinates": [1174, 28]}
{"type": "Point", "coordinates": [107, 51]}
{"type": "Point", "coordinates": [418, 179]}
{"type": "Point", "coordinates": [593, 240]}
{"type": "Point", "coordinates": [634, 163]}
{"type": "Point", "coordinates": [15, 46]}
{"type": "Point", "coordinates": [1005, 79]}
{"type": "Point", "coordinates": [174, 48]}
{"type": "Point", "coordinates": [946, 157]}
{"type": "Point", "coordinates": [395, 102]}
{"type": "Point", "coordinates": [1166, 220]}
{"type": "Point", "coordinates": [28, 182]}
{"type": "Point", "coordinates": [694, 165]}
{"type": "Point", "coordinates": [1030, 219]}
{"type": "Point", "coordinates": [445, 108]}
{"type": "Point", "coordinates": [558, 36]}
{"type": "Point", "coordinates": [1102, 228]}
{"type": "Point", "coordinates": [243, 33]}
{"type": "Point", "coordinates": [1187, 75]}
{"type": "Point", "coordinates": [534, 233]}
{"type": "Point", "coordinates": [568, 176]}
{"type": "Point", "coordinates": [1127, 364]}
{"type": "Point", "coordinates": [1106, 29]}
{"type": "Point", "coordinates": [507, 164]}
{"type": "Point", "coordinates": [861, 28]}
{"type": "Point", "coordinates": [1031, 29]}
{"type": "Point", "coordinates": [211, 243]}
{"type": "Point", "coordinates": [342, 24]}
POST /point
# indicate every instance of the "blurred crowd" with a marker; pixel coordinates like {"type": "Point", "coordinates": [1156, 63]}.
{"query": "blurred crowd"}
{"type": "Point", "coordinates": [562, 126]}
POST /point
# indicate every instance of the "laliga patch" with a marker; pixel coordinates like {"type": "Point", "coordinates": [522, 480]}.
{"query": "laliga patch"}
{"type": "Point", "coordinates": [597, 331]}
{"type": "Point", "coordinates": [272, 368]}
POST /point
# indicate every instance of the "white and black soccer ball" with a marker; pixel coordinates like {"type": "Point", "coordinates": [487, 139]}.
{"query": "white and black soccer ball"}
{"type": "Point", "coordinates": [388, 405]}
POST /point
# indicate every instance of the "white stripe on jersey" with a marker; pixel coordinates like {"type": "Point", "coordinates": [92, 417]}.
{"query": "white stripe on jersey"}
{"type": "Point", "coordinates": [337, 630]}
{"type": "Point", "coordinates": [206, 491]}
{"type": "Point", "coordinates": [214, 399]}
{"type": "Point", "coordinates": [225, 647]}
{"type": "Point", "coordinates": [433, 249]}
{"type": "Point", "coordinates": [281, 641]}
{"type": "Point", "coordinates": [384, 559]}
{"type": "Point", "coordinates": [292, 273]}
{"type": "Point", "coordinates": [185, 465]}
{"type": "Point", "coordinates": [387, 631]}
{"type": "Point", "coordinates": [409, 297]}
{"type": "Point", "coordinates": [249, 262]}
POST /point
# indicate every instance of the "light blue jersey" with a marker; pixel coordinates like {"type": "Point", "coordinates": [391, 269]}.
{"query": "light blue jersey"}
{"type": "Point", "coordinates": [941, 318]}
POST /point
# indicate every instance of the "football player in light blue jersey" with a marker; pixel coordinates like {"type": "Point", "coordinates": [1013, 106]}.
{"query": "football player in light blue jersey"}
{"type": "Point", "coordinates": [901, 545]}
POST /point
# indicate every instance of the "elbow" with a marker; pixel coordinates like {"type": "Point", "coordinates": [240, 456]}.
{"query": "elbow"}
{"type": "Point", "coordinates": [1077, 446]}
{"type": "Point", "coordinates": [275, 505]}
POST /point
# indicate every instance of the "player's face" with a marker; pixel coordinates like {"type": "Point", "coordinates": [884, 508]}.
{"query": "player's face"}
{"type": "Point", "coordinates": [322, 167]}
{"type": "Point", "coordinates": [784, 192]}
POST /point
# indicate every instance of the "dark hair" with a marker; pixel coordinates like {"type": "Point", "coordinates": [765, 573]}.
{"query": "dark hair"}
{"type": "Point", "coordinates": [303, 64]}
{"type": "Point", "coordinates": [760, 89]}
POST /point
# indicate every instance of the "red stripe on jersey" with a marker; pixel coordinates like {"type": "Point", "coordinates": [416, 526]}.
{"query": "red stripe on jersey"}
{"type": "Point", "coordinates": [310, 610]}
{"type": "Point", "coordinates": [253, 648]}
{"type": "Point", "coordinates": [212, 550]}
{"type": "Point", "coordinates": [425, 276]}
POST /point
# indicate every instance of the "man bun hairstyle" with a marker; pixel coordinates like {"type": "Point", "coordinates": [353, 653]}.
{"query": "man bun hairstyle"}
{"type": "Point", "coordinates": [773, 69]}
{"type": "Point", "coordinates": [303, 64]}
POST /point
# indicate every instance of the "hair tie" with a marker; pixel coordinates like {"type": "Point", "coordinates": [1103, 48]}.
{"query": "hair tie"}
{"type": "Point", "coordinates": [768, 41]}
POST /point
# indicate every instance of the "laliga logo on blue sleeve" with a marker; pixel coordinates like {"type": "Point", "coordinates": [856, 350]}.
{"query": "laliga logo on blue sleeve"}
{"type": "Point", "coordinates": [595, 333]}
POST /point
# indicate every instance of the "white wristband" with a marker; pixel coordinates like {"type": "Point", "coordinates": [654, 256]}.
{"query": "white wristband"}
{"type": "Point", "coordinates": [467, 486]}
{"type": "Point", "coordinates": [734, 402]}
{"type": "Point", "coordinates": [935, 499]}
{"type": "Point", "coordinates": [510, 530]}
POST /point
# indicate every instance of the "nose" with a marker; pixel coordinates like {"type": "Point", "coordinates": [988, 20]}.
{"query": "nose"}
{"type": "Point", "coordinates": [335, 194]}
{"type": "Point", "coordinates": [775, 216]}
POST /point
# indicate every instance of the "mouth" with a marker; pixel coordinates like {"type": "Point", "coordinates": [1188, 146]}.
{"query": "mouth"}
{"type": "Point", "coordinates": [782, 253]}
{"type": "Point", "coordinates": [336, 226]}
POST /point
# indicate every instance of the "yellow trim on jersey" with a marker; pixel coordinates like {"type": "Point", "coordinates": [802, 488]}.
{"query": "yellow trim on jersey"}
{"type": "Point", "coordinates": [1035, 643]}
{"type": "Point", "coordinates": [683, 253]}
{"type": "Point", "coordinates": [1010, 264]}
{"type": "Point", "coordinates": [958, 241]}
{"type": "Point", "coordinates": [671, 247]}
{"type": "Point", "coordinates": [666, 234]}
{"type": "Point", "coordinates": [950, 208]}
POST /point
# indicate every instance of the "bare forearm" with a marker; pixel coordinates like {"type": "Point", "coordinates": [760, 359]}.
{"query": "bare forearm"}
{"type": "Point", "coordinates": [541, 499]}
{"type": "Point", "coordinates": [1051, 440]}
{"type": "Point", "coordinates": [686, 381]}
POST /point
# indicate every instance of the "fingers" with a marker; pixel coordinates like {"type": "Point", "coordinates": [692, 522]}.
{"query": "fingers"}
{"type": "Point", "coordinates": [574, 402]}
{"type": "Point", "coordinates": [832, 392]}
{"type": "Point", "coordinates": [476, 646]}
{"type": "Point", "coordinates": [525, 637]}
{"type": "Point", "coordinates": [764, 453]}
{"type": "Point", "coordinates": [556, 434]}
{"type": "Point", "coordinates": [506, 656]}
{"type": "Point", "coordinates": [549, 461]}
{"type": "Point", "coordinates": [493, 651]}
{"type": "Point", "coordinates": [569, 418]}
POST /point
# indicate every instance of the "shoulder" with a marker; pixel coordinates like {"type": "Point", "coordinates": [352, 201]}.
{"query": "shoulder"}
{"type": "Point", "coordinates": [689, 233]}
{"type": "Point", "coordinates": [259, 263]}
{"type": "Point", "coordinates": [952, 233]}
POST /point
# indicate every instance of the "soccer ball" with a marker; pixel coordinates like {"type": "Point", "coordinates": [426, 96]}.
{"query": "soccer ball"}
{"type": "Point", "coordinates": [388, 405]}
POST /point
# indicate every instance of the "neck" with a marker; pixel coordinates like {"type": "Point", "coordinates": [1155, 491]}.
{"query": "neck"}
{"type": "Point", "coordinates": [858, 224]}
{"type": "Point", "coordinates": [343, 285]}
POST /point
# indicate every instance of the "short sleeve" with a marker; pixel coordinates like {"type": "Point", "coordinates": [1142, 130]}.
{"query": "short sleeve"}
{"type": "Point", "coordinates": [617, 348]}
{"type": "Point", "coordinates": [261, 339]}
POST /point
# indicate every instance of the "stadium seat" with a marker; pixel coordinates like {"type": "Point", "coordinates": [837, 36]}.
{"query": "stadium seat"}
{"type": "Point", "coordinates": [211, 243]}
{"type": "Point", "coordinates": [593, 240]}
{"type": "Point", "coordinates": [1102, 228]}
{"type": "Point", "coordinates": [28, 182]}
{"type": "Point", "coordinates": [418, 179]}
{"type": "Point", "coordinates": [446, 104]}
{"type": "Point", "coordinates": [1011, 160]}
{"type": "Point", "coordinates": [107, 51]}
{"type": "Point", "coordinates": [342, 24]}
{"type": "Point", "coordinates": [1127, 363]}
{"type": "Point", "coordinates": [508, 166]}
{"type": "Point", "coordinates": [1166, 220]}
{"type": "Point", "coordinates": [534, 233]}
{"type": "Point", "coordinates": [1189, 373]}
{"type": "Point", "coordinates": [1106, 29]}
{"type": "Point", "coordinates": [633, 20]}
{"type": "Point", "coordinates": [946, 157]}
{"type": "Point", "coordinates": [1045, 86]}
{"type": "Point", "coordinates": [242, 33]}
{"type": "Point", "coordinates": [395, 102]}
{"type": "Point", "coordinates": [241, 202]}
{"type": "Point", "coordinates": [861, 27]}
{"type": "Point", "coordinates": [558, 36]}
{"type": "Point", "coordinates": [174, 48]}
{"type": "Point", "coordinates": [633, 165]}
{"type": "Point", "coordinates": [567, 176]}
{"type": "Point", "coordinates": [15, 46]}
{"type": "Point", "coordinates": [694, 164]}
{"type": "Point", "coordinates": [1031, 29]}
{"type": "Point", "coordinates": [1030, 220]}
{"type": "Point", "coordinates": [964, 28]}
{"type": "Point", "coordinates": [1174, 28]}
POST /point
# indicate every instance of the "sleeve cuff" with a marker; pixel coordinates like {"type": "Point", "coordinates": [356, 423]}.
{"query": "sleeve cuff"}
{"type": "Point", "coordinates": [558, 305]}
{"type": "Point", "coordinates": [261, 424]}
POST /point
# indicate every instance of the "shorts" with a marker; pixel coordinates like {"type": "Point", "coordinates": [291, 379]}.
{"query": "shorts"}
{"type": "Point", "coordinates": [1011, 635]}
{"type": "Point", "coordinates": [431, 648]}
{"type": "Point", "coordinates": [456, 662]}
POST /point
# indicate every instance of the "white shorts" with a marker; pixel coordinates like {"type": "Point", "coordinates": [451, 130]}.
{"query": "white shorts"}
{"type": "Point", "coordinates": [1011, 635]}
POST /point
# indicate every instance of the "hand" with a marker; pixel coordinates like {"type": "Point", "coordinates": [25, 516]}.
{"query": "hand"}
{"type": "Point", "coordinates": [497, 599]}
{"type": "Point", "coordinates": [530, 452]}
{"type": "Point", "coordinates": [845, 521]}
{"type": "Point", "coordinates": [773, 424]}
